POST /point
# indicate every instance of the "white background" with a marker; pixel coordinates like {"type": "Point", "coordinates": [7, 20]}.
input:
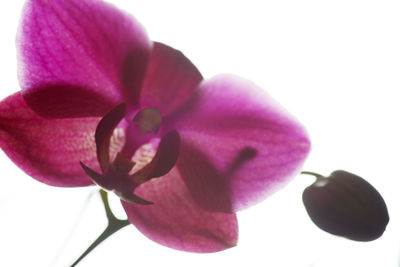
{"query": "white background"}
{"type": "Point", "coordinates": [334, 64]}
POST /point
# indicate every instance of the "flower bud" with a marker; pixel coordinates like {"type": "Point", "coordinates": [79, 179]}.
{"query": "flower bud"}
{"type": "Point", "coordinates": [346, 205]}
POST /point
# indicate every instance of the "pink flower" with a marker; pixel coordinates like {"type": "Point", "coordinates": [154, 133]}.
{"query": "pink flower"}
{"type": "Point", "coordinates": [225, 144]}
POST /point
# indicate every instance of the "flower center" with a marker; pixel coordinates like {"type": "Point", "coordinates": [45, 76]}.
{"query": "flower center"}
{"type": "Point", "coordinates": [148, 120]}
{"type": "Point", "coordinates": [116, 174]}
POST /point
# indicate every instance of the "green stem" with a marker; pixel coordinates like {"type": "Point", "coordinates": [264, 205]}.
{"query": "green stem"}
{"type": "Point", "coordinates": [318, 176]}
{"type": "Point", "coordinates": [114, 225]}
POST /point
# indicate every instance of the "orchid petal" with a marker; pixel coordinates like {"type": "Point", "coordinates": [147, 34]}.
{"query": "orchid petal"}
{"type": "Point", "coordinates": [208, 185]}
{"type": "Point", "coordinates": [170, 79]}
{"type": "Point", "coordinates": [254, 145]}
{"type": "Point", "coordinates": [79, 58]}
{"type": "Point", "coordinates": [176, 221]}
{"type": "Point", "coordinates": [49, 150]}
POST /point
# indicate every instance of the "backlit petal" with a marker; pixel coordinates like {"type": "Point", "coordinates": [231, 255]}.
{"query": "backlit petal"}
{"type": "Point", "coordinates": [176, 221]}
{"type": "Point", "coordinates": [253, 144]}
{"type": "Point", "coordinates": [170, 79]}
{"type": "Point", "coordinates": [82, 56]}
{"type": "Point", "coordinates": [49, 150]}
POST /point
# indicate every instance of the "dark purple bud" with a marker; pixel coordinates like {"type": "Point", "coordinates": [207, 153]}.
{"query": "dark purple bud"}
{"type": "Point", "coordinates": [346, 205]}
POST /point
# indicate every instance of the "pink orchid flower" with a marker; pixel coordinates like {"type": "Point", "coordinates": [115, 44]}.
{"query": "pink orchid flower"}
{"type": "Point", "coordinates": [199, 150]}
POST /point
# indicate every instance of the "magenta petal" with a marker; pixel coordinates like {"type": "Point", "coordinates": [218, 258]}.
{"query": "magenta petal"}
{"type": "Point", "coordinates": [78, 53]}
{"type": "Point", "coordinates": [47, 150]}
{"type": "Point", "coordinates": [176, 221]}
{"type": "Point", "coordinates": [208, 186]}
{"type": "Point", "coordinates": [170, 79]}
{"type": "Point", "coordinates": [253, 144]}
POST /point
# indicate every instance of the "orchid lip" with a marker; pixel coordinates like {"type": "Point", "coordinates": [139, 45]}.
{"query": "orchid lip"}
{"type": "Point", "coordinates": [116, 175]}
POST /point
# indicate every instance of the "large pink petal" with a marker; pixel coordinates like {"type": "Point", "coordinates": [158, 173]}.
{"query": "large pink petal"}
{"type": "Point", "coordinates": [253, 144]}
{"type": "Point", "coordinates": [49, 150]}
{"type": "Point", "coordinates": [170, 79]}
{"type": "Point", "coordinates": [176, 221]}
{"type": "Point", "coordinates": [83, 55]}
